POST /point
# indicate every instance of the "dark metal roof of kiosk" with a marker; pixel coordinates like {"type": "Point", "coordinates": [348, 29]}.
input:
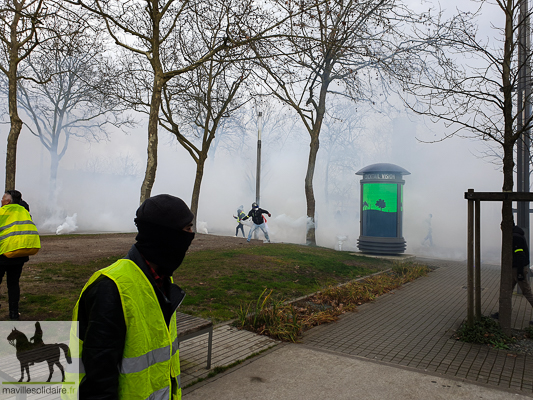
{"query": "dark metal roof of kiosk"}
{"type": "Point", "coordinates": [383, 167]}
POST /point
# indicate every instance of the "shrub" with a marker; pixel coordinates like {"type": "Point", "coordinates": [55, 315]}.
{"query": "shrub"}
{"type": "Point", "coordinates": [484, 331]}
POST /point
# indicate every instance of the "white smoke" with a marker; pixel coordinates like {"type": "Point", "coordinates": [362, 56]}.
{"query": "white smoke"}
{"type": "Point", "coordinates": [106, 200]}
{"type": "Point", "coordinates": [69, 226]}
{"type": "Point", "coordinates": [201, 227]}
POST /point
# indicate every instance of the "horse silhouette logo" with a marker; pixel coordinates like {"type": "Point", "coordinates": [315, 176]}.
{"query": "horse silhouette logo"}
{"type": "Point", "coordinates": [34, 351]}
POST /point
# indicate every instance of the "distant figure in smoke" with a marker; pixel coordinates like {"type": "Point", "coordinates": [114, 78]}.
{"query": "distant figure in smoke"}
{"type": "Point", "coordinates": [256, 214]}
{"type": "Point", "coordinates": [428, 237]}
{"type": "Point", "coordinates": [240, 217]}
{"type": "Point", "coordinates": [18, 240]}
{"type": "Point", "coordinates": [338, 217]}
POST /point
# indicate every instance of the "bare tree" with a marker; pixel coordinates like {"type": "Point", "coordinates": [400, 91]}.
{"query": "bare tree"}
{"type": "Point", "coordinates": [152, 31]}
{"type": "Point", "coordinates": [194, 108]}
{"type": "Point", "coordinates": [336, 48]}
{"type": "Point", "coordinates": [21, 24]}
{"type": "Point", "coordinates": [472, 87]}
{"type": "Point", "coordinates": [75, 101]}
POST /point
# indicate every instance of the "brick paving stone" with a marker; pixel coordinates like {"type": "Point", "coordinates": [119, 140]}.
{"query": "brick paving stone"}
{"type": "Point", "coordinates": [414, 326]}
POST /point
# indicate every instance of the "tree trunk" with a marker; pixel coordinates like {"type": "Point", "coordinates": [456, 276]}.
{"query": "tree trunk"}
{"type": "Point", "coordinates": [506, 285]}
{"type": "Point", "coordinates": [196, 189]}
{"type": "Point", "coordinates": [153, 122]}
{"type": "Point", "coordinates": [54, 166]}
{"type": "Point", "coordinates": [16, 126]}
{"type": "Point", "coordinates": [506, 280]}
{"type": "Point", "coordinates": [309, 194]}
{"type": "Point", "coordinates": [313, 150]}
{"type": "Point", "coordinates": [11, 153]}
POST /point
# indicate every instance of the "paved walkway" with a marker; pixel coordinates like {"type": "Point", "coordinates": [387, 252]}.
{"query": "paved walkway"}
{"type": "Point", "coordinates": [413, 327]}
{"type": "Point", "coordinates": [410, 328]}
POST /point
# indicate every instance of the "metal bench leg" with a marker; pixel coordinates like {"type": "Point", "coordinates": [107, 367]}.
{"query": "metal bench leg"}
{"type": "Point", "coordinates": [209, 348]}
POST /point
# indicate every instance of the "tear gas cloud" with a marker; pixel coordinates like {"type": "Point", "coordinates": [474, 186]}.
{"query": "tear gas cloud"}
{"type": "Point", "coordinates": [99, 184]}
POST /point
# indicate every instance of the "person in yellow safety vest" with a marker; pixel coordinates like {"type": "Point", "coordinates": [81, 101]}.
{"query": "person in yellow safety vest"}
{"type": "Point", "coordinates": [18, 239]}
{"type": "Point", "coordinates": [240, 217]}
{"type": "Point", "coordinates": [126, 313]}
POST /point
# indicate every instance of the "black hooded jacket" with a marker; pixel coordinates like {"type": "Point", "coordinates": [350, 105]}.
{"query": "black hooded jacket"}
{"type": "Point", "coordinates": [257, 215]}
{"type": "Point", "coordinates": [520, 257]}
{"type": "Point", "coordinates": [103, 330]}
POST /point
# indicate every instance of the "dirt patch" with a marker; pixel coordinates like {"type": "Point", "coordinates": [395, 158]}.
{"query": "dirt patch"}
{"type": "Point", "coordinates": [80, 249]}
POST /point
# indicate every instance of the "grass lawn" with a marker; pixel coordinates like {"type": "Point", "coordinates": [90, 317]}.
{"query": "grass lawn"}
{"type": "Point", "coordinates": [217, 282]}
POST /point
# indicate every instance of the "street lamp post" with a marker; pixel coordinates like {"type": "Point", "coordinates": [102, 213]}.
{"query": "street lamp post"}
{"type": "Point", "coordinates": [258, 174]}
{"type": "Point", "coordinates": [524, 115]}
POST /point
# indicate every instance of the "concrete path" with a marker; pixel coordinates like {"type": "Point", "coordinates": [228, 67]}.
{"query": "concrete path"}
{"type": "Point", "coordinates": [402, 339]}
{"type": "Point", "coordinates": [294, 372]}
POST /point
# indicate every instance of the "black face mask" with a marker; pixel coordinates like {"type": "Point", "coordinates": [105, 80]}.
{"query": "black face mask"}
{"type": "Point", "coordinates": [165, 248]}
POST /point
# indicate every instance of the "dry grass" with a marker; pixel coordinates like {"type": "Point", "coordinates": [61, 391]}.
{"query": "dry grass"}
{"type": "Point", "coordinates": [287, 321]}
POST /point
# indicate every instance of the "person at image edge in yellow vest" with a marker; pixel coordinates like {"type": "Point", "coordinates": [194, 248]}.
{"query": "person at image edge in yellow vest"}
{"type": "Point", "coordinates": [127, 312]}
{"type": "Point", "coordinates": [18, 239]}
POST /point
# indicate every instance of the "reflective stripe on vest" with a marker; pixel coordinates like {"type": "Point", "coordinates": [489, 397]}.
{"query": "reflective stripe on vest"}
{"type": "Point", "coordinates": [518, 250]}
{"type": "Point", "coordinates": [137, 364]}
{"type": "Point", "coordinates": [16, 223]}
{"type": "Point", "coordinates": [161, 394]}
{"type": "Point", "coordinates": [17, 230]}
{"type": "Point", "coordinates": [151, 354]}
{"type": "Point", "coordinates": [3, 237]}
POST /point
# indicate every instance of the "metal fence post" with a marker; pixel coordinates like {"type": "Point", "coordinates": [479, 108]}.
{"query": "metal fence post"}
{"type": "Point", "coordinates": [470, 263]}
{"type": "Point", "coordinates": [477, 259]}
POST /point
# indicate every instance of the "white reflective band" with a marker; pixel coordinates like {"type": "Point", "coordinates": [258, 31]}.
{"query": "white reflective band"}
{"type": "Point", "coordinates": [137, 364]}
{"type": "Point", "coordinates": [19, 233]}
{"type": "Point", "coordinates": [27, 222]}
{"type": "Point", "coordinates": [178, 378]}
{"type": "Point", "coordinates": [175, 346]}
{"type": "Point", "coordinates": [161, 394]}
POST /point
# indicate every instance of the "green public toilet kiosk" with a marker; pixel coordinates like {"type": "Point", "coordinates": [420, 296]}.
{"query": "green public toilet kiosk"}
{"type": "Point", "coordinates": [381, 209]}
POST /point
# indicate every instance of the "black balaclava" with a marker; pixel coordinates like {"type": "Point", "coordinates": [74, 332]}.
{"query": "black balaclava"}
{"type": "Point", "coordinates": [161, 238]}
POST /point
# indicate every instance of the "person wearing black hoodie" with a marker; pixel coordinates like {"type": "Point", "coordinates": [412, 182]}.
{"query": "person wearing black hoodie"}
{"type": "Point", "coordinates": [123, 306]}
{"type": "Point", "coordinates": [520, 262]}
{"type": "Point", "coordinates": [256, 214]}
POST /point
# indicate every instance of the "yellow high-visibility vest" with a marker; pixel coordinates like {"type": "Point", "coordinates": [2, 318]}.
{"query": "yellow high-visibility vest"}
{"type": "Point", "coordinates": [151, 352]}
{"type": "Point", "coordinates": [18, 233]}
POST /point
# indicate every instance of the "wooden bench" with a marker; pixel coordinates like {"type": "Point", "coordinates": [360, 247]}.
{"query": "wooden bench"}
{"type": "Point", "coordinates": [189, 327]}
